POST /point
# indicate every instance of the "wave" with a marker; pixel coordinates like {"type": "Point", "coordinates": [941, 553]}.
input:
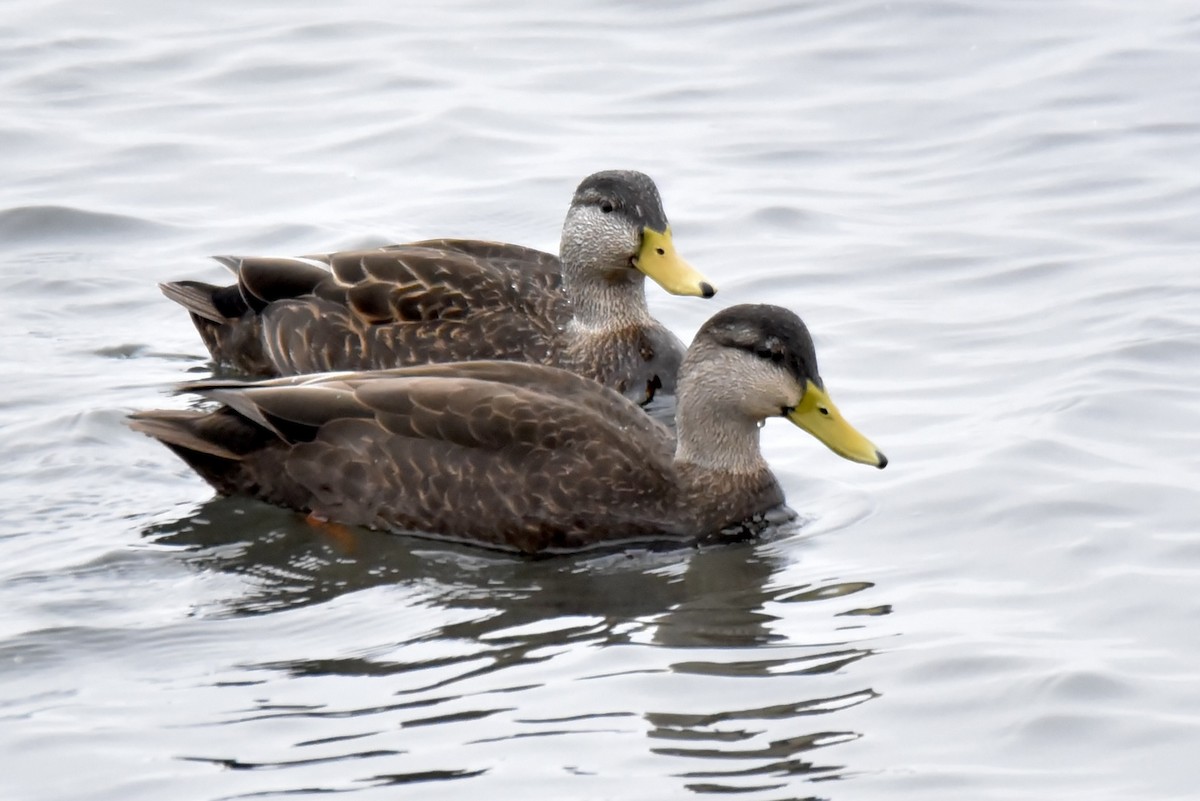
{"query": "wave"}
{"type": "Point", "coordinates": [57, 224]}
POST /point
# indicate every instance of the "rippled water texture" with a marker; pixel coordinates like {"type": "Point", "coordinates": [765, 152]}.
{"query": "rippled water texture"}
{"type": "Point", "coordinates": [987, 211]}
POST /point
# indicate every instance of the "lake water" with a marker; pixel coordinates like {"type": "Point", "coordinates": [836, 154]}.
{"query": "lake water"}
{"type": "Point", "coordinates": [988, 212]}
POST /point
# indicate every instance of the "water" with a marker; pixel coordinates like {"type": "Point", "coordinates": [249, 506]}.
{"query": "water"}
{"type": "Point", "coordinates": [985, 211]}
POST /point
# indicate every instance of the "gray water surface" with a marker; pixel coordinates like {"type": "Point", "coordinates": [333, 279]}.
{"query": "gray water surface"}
{"type": "Point", "coordinates": [987, 212]}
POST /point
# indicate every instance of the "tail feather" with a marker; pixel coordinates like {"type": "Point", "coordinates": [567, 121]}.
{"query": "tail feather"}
{"type": "Point", "coordinates": [217, 445]}
{"type": "Point", "coordinates": [180, 429]}
{"type": "Point", "coordinates": [194, 296]}
{"type": "Point", "coordinates": [231, 263]}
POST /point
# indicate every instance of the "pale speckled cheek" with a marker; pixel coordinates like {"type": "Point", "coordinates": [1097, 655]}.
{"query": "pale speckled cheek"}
{"type": "Point", "coordinates": [737, 380]}
{"type": "Point", "coordinates": [602, 235]}
{"type": "Point", "coordinates": [769, 390]}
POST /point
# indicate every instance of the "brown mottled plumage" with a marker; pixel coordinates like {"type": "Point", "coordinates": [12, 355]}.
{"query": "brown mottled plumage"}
{"type": "Point", "coordinates": [521, 456]}
{"type": "Point", "coordinates": [453, 300]}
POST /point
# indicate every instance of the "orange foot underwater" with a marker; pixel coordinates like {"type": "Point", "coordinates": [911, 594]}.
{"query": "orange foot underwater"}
{"type": "Point", "coordinates": [342, 536]}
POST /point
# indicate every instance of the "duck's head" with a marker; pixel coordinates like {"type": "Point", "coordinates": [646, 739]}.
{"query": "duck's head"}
{"type": "Point", "coordinates": [616, 224]}
{"type": "Point", "coordinates": [759, 362]}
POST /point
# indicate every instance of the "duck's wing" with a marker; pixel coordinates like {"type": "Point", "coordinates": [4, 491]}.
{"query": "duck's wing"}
{"type": "Point", "coordinates": [503, 454]}
{"type": "Point", "coordinates": [426, 302]}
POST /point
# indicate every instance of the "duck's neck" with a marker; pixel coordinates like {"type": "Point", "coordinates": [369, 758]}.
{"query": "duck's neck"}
{"type": "Point", "coordinates": [723, 476]}
{"type": "Point", "coordinates": [605, 294]}
{"type": "Point", "coordinates": [714, 435]}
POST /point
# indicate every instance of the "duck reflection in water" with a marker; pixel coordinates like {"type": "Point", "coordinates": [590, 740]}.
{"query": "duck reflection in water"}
{"type": "Point", "coordinates": [712, 613]}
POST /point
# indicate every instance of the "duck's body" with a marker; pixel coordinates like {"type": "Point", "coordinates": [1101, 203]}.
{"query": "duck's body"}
{"type": "Point", "coordinates": [452, 300]}
{"type": "Point", "coordinates": [519, 456]}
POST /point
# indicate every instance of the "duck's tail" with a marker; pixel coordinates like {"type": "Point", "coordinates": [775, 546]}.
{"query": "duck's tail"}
{"type": "Point", "coordinates": [231, 331]}
{"type": "Point", "coordinates": [218, 304]}
{"type": "Point", "coordinates": [214, 444]}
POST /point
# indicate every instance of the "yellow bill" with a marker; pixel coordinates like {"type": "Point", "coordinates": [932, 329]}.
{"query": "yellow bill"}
{"type": "Point", "coordinates": [817, 415]}
{"type": "Point", "coordinates": [658, 260]}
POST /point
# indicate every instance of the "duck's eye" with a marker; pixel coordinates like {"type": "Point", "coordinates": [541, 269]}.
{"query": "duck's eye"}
{"type": "Point", "coordinates": [767, 353]}
{"type": "Point", "coordinates": [606, 207]}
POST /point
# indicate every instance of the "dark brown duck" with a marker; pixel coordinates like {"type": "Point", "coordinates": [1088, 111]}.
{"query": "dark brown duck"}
{"type": "Point", "coordinates": [454, 300]}
{"type": "Point", "coordinates": [519, 456]}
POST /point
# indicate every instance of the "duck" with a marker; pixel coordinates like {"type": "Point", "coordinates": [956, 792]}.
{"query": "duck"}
{"type": "Point", "coordinates": [522, 457]}
{"type": "Point", "coordinates": [446, 300]}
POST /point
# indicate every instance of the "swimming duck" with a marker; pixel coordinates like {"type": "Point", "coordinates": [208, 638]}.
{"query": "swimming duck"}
{"type": "Point", "coordinates": [519, 456]}
{"type": "Point", "coordinates": [448, 300]}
